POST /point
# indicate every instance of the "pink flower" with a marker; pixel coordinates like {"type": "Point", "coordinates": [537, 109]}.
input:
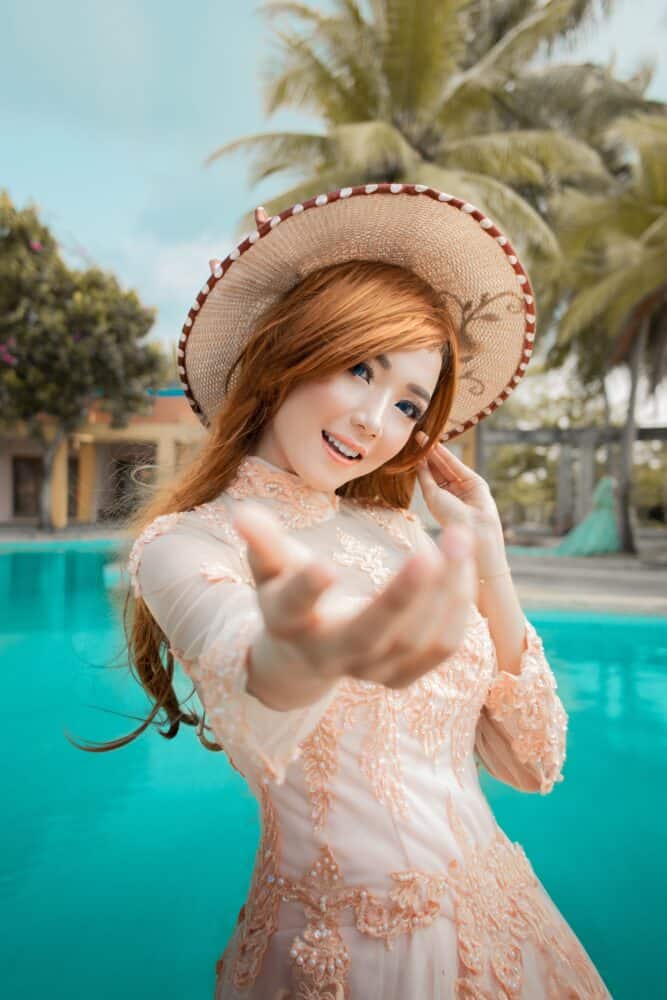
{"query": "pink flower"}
{"type": "Point", "coordinates": [6, 357]}
{"type": "Point", "coordinates": [36, 245]}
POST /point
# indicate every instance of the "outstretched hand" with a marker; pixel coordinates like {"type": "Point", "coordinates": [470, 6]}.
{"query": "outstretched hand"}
{"type": "Point", "coordinates": [416, 621]}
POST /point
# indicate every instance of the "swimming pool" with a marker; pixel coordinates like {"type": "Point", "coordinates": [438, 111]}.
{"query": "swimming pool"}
{"type": "Point", "coordinates": [122, 873]}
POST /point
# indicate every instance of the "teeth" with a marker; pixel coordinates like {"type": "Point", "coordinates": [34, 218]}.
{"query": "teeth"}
{"type": "Point", "coordinates": [339, 446]}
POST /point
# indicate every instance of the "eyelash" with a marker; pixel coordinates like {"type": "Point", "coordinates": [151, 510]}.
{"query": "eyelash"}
{"type": "Point", "coordinates": [417, 412]}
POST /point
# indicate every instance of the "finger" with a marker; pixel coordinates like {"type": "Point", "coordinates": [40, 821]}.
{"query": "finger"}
{"type": "Point", "coordinates": [423, 621]}
{"type": "Point", "coordinates": [438, 462]}
{"type": "Point", "coordinates": [441, 627]}
{"type": "Point", "coordinates": [367, 628]}
{"type": "Point", "coordinates": [403, 630]}
{"type": "Point", "coordinates": [293, 606]}
{"type": "Point", "coordinates": [443, 457]}
{"type": "Point", "coordinates": [213, 263]}
{"type": "Point", "coordinates": [270, 552]}
{"type": "Point", "coordinates": [437, 495]}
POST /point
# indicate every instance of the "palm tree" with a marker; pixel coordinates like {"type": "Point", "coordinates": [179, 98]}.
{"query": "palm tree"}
{"type": "Point", "coordinates": [616, 248]}
{"type": "Point", "coordinates": [414, 90]}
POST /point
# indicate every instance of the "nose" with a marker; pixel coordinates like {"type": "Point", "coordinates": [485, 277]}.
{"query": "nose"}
{"type": "Point", "coordinates": [370, 421]}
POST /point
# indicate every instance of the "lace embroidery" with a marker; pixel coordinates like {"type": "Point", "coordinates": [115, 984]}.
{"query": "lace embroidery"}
{"type": "Point", "coordinates": [498, 904]}
{"type": "Point", "coordinates": [161, 524]}
{"type": "Point", "coordinates": [319, 759]}
{"type": "Point", "coordinates": [221, 673]}
{"type": "Point", "coordinates": [320, 958]}
{"type": "Point", "coordinates": [217, 518]}
{"type": "Point", "coordinates": [368, 558]}
{"type": "Point", "coordinates": [379, 761]}
{"type": "Point", "coordinates": [445, 701]}
{"type": "Point", "coordinates": [218, 572]}
{"type": "Point", "coordinates": [527, 705]}
{"type": "Point", "coordinates": [259, 916]}
{"type": "Point", "coordinates": [391, 519]}
{"type": "Point", "coordinates": [304, 504]}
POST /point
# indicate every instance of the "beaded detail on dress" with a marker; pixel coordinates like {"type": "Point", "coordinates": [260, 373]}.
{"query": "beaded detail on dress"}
{"type": "Point", "coordinates": [496, 898]}
{"type": "Point", "coordinates": [392, 521]}
{"type": "Point", "coordinates": [300, 504]}
{"type": "Point", "coordinates": [498, 906]}
{"type": "Point", "coordinates": [369, 559]}
{"type": "Point", "coordinates": [161, 524]}
{"type": "Point", "coordinates": [527, 703]}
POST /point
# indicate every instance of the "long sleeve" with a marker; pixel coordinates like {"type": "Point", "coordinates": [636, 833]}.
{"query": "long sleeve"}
{"type": "Point", "coordinates": [197, 588]}
{"type": "Point", "coordinates": [522, 730]}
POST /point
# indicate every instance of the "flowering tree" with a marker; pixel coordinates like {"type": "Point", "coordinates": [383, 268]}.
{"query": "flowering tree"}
{"type": "Point", "coordinates": [67, 338]}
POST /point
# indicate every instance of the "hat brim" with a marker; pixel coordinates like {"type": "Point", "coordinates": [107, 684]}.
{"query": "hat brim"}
{"type": "Point", "coordinates": [446, 241]}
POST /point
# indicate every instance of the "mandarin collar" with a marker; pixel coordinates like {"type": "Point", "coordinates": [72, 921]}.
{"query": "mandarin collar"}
{"type": "Point", "coordinates": [257, 477]}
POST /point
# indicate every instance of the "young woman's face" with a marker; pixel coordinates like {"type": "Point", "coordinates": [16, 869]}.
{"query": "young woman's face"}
{"type": "Point", "coordinates": [370, 410]}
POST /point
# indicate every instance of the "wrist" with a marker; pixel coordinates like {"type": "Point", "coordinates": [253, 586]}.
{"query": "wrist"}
{"type": "Point", "coordinates": [277, 679]}
{"type": "Point", "coordinates": [491, 554]}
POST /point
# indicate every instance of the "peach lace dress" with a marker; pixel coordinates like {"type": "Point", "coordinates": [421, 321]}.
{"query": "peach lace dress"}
{"type": "Point", "coordinates": [381, 873]}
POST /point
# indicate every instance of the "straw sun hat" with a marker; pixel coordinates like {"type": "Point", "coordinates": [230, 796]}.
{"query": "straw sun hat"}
{"type": "Point", "coordinates": [446, 241]}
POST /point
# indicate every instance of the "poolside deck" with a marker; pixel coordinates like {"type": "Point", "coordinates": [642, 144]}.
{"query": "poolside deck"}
{"type": "Point", "coordinates": [615, 583]}
{"type": "Point", "coordinates": [635, 585]}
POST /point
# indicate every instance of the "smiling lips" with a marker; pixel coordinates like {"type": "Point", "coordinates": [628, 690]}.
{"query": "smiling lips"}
{"type": "Point", "coordinates": [341, 449]}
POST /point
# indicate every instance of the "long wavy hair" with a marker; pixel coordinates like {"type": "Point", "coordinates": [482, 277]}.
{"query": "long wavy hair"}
{"type": "Point", "coordinates": [334, 318]}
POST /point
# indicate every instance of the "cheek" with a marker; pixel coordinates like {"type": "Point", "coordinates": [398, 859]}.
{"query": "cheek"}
{"type": "Point", "coordinates": [328, 399]}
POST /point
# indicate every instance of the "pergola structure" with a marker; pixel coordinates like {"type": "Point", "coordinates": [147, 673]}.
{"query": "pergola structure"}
{"type": "Point", "coordinates": [571, 505]}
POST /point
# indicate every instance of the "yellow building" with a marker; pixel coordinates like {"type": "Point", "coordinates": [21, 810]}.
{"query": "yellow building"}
{"type": "Point", "coordinates": [93, 469]}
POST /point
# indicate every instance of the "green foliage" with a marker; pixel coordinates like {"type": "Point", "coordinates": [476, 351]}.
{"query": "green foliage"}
{"type": "Point", "coordinates": [445, 93]}
{"type": "Point", "coordinates": [616, 247]}
{"type": "Point", "coordinates": [67, 337]}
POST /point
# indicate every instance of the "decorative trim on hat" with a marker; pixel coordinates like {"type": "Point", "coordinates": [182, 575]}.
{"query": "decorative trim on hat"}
{"type": "Point", "coordinates": [450, 201]}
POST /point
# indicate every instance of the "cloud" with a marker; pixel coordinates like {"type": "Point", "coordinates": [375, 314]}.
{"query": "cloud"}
{"type": "Point", "coordinates": [168, 274]}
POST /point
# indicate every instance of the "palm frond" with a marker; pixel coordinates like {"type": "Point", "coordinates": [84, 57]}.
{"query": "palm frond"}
{"type": "Point", "coordinates": [610, 300]}
{"type": "Point", "coordinates": [641, 140]}
{"type": "Point", "coordinates": [528, 157]}
{"type": "Point", "coordinates": [344, 47]}
{"type": "Point", "coordinates": [375, 149]}
{"type": "Point", "coordinates": [304, 80]}
{"type": "Point", "coordinates": [656, 233]}
{"type": "Point", "coordinates": [422, 43]}
{"type": "Point", "coordinates": [514, 49]}
{"type": "Point", "coordinates": [273, 152]}
{"type": "Point", "coordinates": [581, 98]}
{"type": "Point", "coordinates": [583, 221]}
{"type": "Point", "coordinates": [531, 236]}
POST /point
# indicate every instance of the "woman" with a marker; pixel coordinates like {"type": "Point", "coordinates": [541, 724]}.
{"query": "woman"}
{"type": "Point", "coordinates": [354, 671]}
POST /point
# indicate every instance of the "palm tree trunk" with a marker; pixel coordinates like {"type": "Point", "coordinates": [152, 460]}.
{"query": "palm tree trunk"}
{"type": "Point", "coordinates": [628, 440]}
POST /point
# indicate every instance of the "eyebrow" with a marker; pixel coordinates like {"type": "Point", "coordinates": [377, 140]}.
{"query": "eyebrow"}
{"type": "Point", "coordinates": [383, 360]}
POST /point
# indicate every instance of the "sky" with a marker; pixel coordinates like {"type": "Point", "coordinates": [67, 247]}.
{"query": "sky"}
{"type": "Point", "coordinates": [108, 111]}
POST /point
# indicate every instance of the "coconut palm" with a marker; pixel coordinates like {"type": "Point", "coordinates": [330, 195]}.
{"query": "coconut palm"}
{"type": "Point", "coordinates": [413, 90]}
{"type": "Point", "coordinates": [616, 248]}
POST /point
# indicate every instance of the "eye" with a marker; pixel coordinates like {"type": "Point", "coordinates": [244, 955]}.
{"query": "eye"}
{"type": "Point", "coordinates": [416, 412]}
{"type": "Point", "coordinates": [362, 364]}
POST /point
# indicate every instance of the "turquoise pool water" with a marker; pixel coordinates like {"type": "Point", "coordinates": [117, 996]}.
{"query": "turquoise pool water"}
{"type": "Point", "coordinates": [121, 874]}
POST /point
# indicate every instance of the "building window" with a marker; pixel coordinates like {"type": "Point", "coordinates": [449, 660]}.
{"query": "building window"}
{"type": "Point", "coordinates": [27, 479]}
